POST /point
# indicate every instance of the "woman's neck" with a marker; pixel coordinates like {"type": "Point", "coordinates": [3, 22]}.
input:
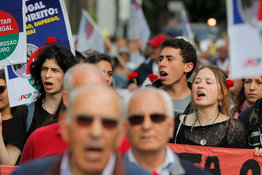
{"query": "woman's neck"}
{"type": "Point", "coordinates": [6, 113]}
{"type": "Point", "coordinates": [51, 102]}
{"type": "Point", "coordinates": [208, 116]}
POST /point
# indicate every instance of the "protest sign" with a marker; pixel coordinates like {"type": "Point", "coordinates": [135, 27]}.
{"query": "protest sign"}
{"type": "Point", "coordinates": [245, 34]}
{"type": "Point", "coordinates": [12, 32]}
{"type": "Point", "coordinates": [220, 161]}
{"type": "Point", "coordinates": [44, 19]}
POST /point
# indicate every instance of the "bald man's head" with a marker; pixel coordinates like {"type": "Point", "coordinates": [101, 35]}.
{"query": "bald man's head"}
{"type": "Point", "coordinates": [80, 75]}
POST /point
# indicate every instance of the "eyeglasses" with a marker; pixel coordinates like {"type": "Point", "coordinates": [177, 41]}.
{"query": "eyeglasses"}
{"type": "Point", "coordinates": [86, 120]}
{"type": "Point", "coordinates": [2, 89]}
{"type": "Point", "coordinates": [139, 119]}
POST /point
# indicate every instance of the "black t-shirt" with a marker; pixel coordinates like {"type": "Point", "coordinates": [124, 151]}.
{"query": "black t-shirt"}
{"type": "Point", "coordinates": [16, 133]}
{"type": "Point", "coordinates": [222, 134]}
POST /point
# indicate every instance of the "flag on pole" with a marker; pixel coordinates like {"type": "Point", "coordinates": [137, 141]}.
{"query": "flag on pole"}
{"type": "Point", "coordinates": [137, 28]}
{"type": "Point", "coordinates": [245, 33]}
{"type": "Point", "coordinates": [89, 35]}
{"type": "Point", "coordinates": [187, 32]}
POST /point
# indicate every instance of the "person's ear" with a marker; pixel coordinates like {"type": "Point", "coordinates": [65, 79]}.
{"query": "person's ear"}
{"type": "Point", "coordinates": [171, 127]}
{"type": "Point", "coordinates": [65, 98]}
{"type": "Point", "coordinates": [121, 137]}
{"type": "Point", "coordinates": [188, 67]}
{"type": "Point", "coordinates": [125, 128]}
{"type": "Point", "coordinates": [225, 92]}
{"type": "Point", "coordinates": [63, 126]}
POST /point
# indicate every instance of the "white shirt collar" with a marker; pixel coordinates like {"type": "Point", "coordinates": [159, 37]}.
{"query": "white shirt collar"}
{"type": "Point", "coordinates": [165, 168]}
{"type": "Point", "coordinates": [65, 168]}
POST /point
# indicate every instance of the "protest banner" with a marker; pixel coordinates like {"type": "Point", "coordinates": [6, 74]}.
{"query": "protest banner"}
{"type": "Point", "coordinates": [89, 35]}
{"type": "Point", "coordinates": [44, 19]}
{"type": "Point", "coordinates": [245, 34]}
{"type": "Point", "coordinates": [220, 161]}
{"type": "Point", "coordinates": [7, 169]}
{"type": "Point", "coordinates": [12, 32]}
{"type": "Point", "coordinates": [137, 27]}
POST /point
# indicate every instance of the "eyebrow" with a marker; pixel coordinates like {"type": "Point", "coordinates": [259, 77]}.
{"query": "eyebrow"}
{"type": "Point", "coordinates": [168, 56]}
{"type": "Point", "coordinates": [51, 67]}
{"type": "Point", "coordinates": [203, 78]}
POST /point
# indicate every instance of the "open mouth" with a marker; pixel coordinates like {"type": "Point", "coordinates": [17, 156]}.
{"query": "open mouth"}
{"type": "Point", "coordinates": [93, 149]}
{"type": "Point", "coordinates": [163, 74]}
{"type": "Point", "coordinates": [48, 83]}
{"type": "Point", "coordinates": [93, 154]}
{"type": "Point", "coordinates": [200, 94]}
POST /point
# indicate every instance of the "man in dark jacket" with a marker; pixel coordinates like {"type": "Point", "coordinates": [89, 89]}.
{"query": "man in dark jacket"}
{"type": "Point", "coordinates": [92, 134]}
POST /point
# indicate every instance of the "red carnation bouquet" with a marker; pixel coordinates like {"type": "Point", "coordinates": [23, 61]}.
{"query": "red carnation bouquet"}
{"type": "Point", "coordinates": [132, 76]}
{"type": "Point", "coordinates": [152, 77]}
{"type": "Point", "coordinates": [229, 83]}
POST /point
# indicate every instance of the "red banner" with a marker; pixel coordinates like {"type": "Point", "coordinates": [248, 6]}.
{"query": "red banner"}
{"type": "Point", "coordinates": [221, 161]}
{"type": "Point", "coordinates": [6, 169]}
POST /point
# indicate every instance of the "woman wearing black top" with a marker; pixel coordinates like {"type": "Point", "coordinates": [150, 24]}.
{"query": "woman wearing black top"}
{"type": "Point", "coordinates": [210, 123]}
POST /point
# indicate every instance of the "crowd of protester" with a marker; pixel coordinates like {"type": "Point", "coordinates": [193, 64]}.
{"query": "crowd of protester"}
{"type": "Point", "coordinates": [96, 112]}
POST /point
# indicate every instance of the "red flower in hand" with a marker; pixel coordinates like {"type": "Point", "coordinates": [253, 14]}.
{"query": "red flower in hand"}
{"type": "Point", "coordinates": [51, 40]}
{"type": "Point", "coordinates": [229, 83]}
{"type": "Point", "coordinates": [152, 77]}
{"type": "Point", "coordinates": [132, 76]}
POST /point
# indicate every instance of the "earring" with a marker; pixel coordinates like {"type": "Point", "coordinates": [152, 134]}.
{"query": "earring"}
{"type": "Point", "coordinates": [219, 102]}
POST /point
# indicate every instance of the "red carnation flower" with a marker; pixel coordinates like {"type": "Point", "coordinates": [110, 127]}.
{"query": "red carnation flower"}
{"type": "Point", "coordinates": [132, 76]}
{"type": "Point", "coordinates": [51, 40]}
{"type": "Point", "coordinates": [229, 83]}
{"type": "Point", "coordinates": [152, 77]}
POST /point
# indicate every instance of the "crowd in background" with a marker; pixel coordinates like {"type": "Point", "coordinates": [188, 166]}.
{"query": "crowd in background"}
{"type": "Point", "coordinates": [208, 108]}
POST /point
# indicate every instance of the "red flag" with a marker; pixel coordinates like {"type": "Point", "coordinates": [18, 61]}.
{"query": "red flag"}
{"type": "Point", "coordinates": [259, 13]}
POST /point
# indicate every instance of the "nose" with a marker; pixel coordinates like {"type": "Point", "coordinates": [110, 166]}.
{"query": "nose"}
{"type": "Point", "coordinates": [161, 63]}
{"type": "Point", "coordinates": [48, 73]}
{"type": "Point", "coordinates": [96, 129]}
{"type": "Point", "coordinates": [106, 77]}
{"type": "Point", "coordinates": [253, 85]}
{"type": "Point", "coordinates": [200, 85]}
{"type": "Point", "coordinates": [147, 122]}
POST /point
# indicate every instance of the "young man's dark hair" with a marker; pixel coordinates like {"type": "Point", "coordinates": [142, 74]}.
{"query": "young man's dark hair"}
{"type": "Point", "coordinates": [188, 52]}
{"type": "Point", "coordinates": [63, 57]}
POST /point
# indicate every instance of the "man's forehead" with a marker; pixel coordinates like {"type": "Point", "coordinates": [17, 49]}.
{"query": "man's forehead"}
{"type": "Point", "coordinates": [85, 78]}
{"type": "Point", "coordinates": [147, 98]}
{"type": "Point", "coordinates": [170, 49]}
{"type": "Point", "coordinates": [103, 98]}
{"type": "Point", "coordinates": [50, 61]}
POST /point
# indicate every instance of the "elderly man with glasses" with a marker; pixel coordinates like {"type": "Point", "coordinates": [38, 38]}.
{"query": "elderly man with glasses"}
{"type": "Point", "coordinates": [149, 126]}
{"type": "Point", "coordinates": [92, 128]}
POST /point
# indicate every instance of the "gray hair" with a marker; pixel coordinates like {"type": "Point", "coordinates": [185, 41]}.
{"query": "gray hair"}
{"type": "Point", "coordinates": [68, 77]}
{"type": "Point", "coordinates": [162, 93]}
{"type": "Point", "coordinates": [85, 89]}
